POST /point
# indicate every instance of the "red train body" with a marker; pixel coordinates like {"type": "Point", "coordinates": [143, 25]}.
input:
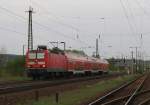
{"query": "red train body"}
{"type": "Point", "coordinates": [44, 63]}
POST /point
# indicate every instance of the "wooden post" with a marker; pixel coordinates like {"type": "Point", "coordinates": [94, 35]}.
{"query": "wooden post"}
{"type": "Point", "coordinates": [5, 100]}
{"type": "Point", "coordinates": [36, 95]}
{"type": "Point", "coordinates": [57, 97]}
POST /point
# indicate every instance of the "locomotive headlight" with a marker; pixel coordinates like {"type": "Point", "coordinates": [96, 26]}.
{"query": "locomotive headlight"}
{"type": "Point", "coordinates": [29, 66]}
{"type": "Point", "coordinates": [31, 63]}
{"type": "Point", "coordinates": [43, 65]}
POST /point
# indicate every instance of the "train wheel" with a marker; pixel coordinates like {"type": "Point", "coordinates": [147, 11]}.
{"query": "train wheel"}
{"type": "Point", "coordinates": [33, 78]}
{"type": "Point", "coordinates": [53, 76]}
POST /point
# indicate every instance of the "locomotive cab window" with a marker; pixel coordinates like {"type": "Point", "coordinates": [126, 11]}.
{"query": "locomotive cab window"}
{"type": "Point", "coordinates": [32, 55]}
{"type": "Point", "coordinates": [40, 55]}
{"type": "Point", "coordinates": [36, 55]}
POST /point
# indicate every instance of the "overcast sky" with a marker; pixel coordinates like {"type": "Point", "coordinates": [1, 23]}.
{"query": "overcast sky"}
{"type": "Point", "coordinates": [119, 23]}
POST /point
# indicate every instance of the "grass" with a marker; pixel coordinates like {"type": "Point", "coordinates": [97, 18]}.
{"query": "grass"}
{"type": "Point", "coordinates": [6, 76]}
{"type": "Point", "coordinates": [84, 93]}
{"type": "Point", "coordinates": [13, 78]}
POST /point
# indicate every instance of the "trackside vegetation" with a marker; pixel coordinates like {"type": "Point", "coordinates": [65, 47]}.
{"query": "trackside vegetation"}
{"type": "Point", "coordinates": [75, 97]}
{"type": "Point", "coordinates": [13, 70]}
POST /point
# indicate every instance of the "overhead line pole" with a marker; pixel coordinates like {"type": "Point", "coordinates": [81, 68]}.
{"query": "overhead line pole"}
{"type": "Point", "coordinates": [132, 63]}
{"type": "Point", "coordinates": [97, 55]}
{"type": "Point", "coordinates": [30, 31]}
{"type": "Point", "coordinates": [136, 58]}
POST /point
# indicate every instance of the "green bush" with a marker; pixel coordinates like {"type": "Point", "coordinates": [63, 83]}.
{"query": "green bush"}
{"type": "Point", "coordinates": [16, 66]}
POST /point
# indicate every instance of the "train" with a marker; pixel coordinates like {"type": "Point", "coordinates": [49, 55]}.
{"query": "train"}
{"type": "Point", "coordinates": [46, 63]}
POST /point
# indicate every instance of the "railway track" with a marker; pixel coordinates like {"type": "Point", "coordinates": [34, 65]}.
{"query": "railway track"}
{"type": "Point", "coordinates": [18, 87]}
{"type": "Point", "coordinates": [136, 92]}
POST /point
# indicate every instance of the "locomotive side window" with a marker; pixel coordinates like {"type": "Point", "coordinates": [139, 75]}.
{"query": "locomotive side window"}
{"type": "Point", "coordinates": [40, 55]}
{"type": "Point", "coordinates": [32, 55]}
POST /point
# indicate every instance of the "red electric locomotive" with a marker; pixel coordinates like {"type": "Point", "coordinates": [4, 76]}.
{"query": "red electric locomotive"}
{"type": "Point", "coordinates": [52, 63]}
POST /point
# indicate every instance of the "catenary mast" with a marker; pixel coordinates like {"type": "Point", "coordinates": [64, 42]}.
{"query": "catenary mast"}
{"type": "Point", "coordinates": [30, 31]}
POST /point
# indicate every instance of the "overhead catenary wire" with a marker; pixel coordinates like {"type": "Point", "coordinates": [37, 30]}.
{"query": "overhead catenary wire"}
{"type": "Point", "coordinates": [13, 13]}
{"type": "Point", "coordinates": [57, 19]}
{"type": "Point", "coordinates": [64, 24]}
{"type": "Point", "coordinates": [141, 33]}
{"type": "Point", "coordinates": [10, 30]}
{"type": "Point", "coordinates": [142, 8]}
{"type": "Point", "coordinates": [133, 21]}
{"type": "Point", "coordinates": [59, 33]}
{"type": "Point", "coordinates": [144, 12]}
{"type": "Point", "coordinates": [127, 17]}
{"type": "Point", "coordinates": [131, 12]}
{"type": "Point", "coordinates": [14, 31]}
{"type": "Point", "coordinates": [39, 24]}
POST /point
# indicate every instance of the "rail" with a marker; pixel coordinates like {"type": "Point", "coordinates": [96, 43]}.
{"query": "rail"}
{"type": "Point", "coordinates": [125, 99]}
